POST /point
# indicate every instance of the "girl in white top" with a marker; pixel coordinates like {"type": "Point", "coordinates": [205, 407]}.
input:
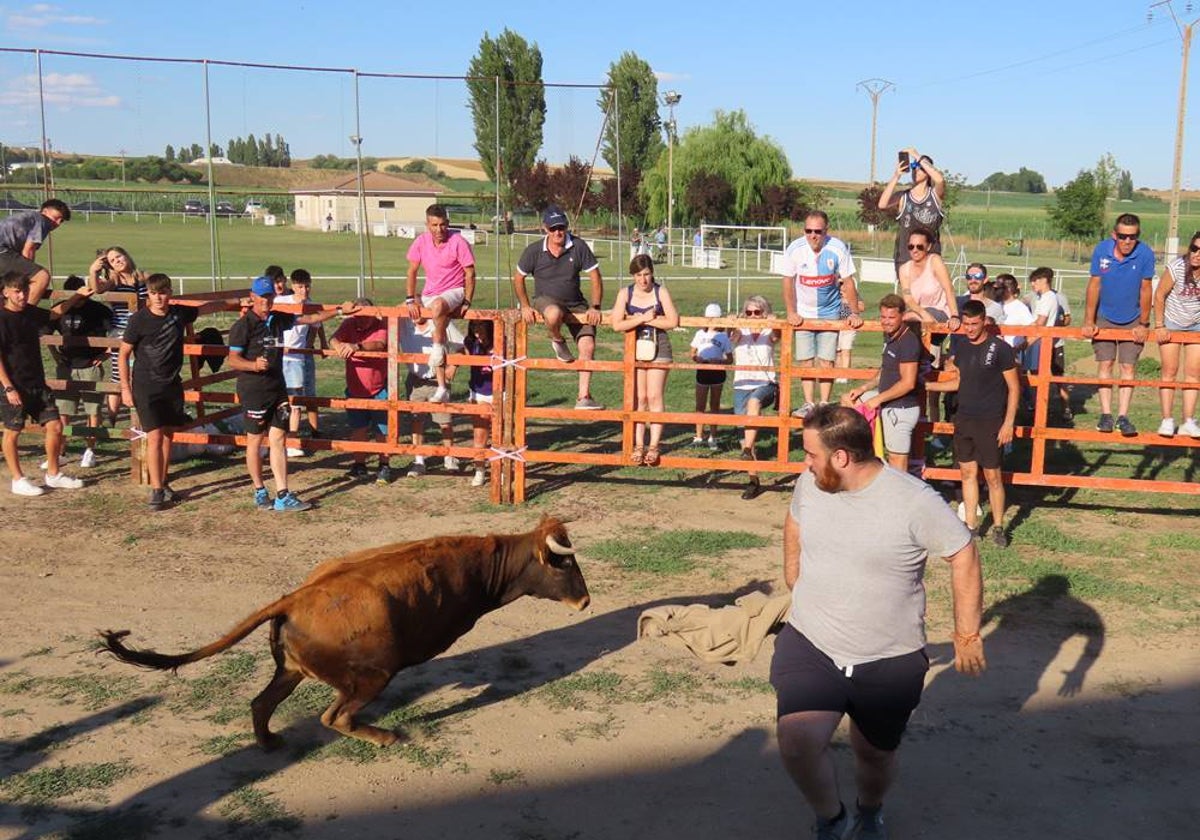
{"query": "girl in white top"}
{"type": "Point", "coordinates": [711, 347]}
{"type": "Point", "coordinates": [1176, 310]}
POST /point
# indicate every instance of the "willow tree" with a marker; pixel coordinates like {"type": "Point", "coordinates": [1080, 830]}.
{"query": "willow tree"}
{"type": "Point", "coordinates": [518, 64]}
{"type": "Point", "coordinates": [727, 147]}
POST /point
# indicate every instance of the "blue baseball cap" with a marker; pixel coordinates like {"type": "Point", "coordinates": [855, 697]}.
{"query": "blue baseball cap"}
{"type": "Point", "coordinates": [553, 216]}
{"type": "Point", "coordinates": [262, 286]}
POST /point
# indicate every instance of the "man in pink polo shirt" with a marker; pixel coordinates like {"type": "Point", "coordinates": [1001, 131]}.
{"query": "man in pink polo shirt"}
{"type": "Point", "coordinates": [449, 283]}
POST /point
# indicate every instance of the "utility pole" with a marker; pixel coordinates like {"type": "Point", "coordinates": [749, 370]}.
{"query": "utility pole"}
{"type": "Point", "coordinates": [122, 151]}
{"type": "Point", "coordinates": [874, 88]}
{"type": "Point", "coordinates": [672, 99]}
{"type": "Point", "coordinates": [1185, 35]}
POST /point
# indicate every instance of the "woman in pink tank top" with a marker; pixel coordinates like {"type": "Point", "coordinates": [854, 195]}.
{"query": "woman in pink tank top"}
{"type": "Point", "coordinates": [925, 283]}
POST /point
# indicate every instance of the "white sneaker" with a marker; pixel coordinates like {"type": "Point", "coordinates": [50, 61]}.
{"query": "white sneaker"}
{"type": "Point", "coordinates": [62, 481]}
{"type": "Point", "coordinates": [437, 357]}
{"type": "Point", "coordinates": [712, 443]}
{"type": "Point", "coordinates": [88, 460]}
{"type": "Point", "coordinates": [451, 464]}
{"type": "Point", "coordinates": [1167, 427]}
{"type": "Point", "coordinates": [697, 441]}
{"type": "Point", "coordinates": [479, 479]}
{"type": "Point", "coordinates": [441, 394]}
{"type": "Point", "coordinates": [295, 452]}
{"type": "Point", "coordinates": [1190, 428]}
{"type": "Point", "coordinates": [24, 487]}
{"type": "Point", "coordinates": [417, 468]}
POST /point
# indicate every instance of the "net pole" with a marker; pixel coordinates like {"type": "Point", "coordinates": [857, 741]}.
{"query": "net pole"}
{"type": "Point", "coordinates": [496, 173]}
{"type": "Point", "coordinates": [212, 187]}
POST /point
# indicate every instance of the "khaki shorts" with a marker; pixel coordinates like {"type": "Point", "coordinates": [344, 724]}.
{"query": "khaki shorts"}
{"type": "Point", "coordinates": [578, 331]}
{"type": "Point", "coordinates": [68, 404]}
{"type": "Point", "coordinates": [420, 390]}
{"type": "Point", "coordinates": [1123, 352]}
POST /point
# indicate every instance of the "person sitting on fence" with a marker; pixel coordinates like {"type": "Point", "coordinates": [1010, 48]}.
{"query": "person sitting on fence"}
{"type": "Point", "coordinates": [754, 391]}
{"type": "Point", "coordinates": [22, 234]}
{"type": "Point", "coordinates": [255, 352]}
{"type": "Point", "coordinates": [114, 270]}
{"type": "Point", "coordinates": [556, 263]}
{"type": "Point", "coordinates": [480, 342]}
{"type": "Point", "coordinates": [366, 379]}
{"type": "Point", "coordinates": [91, 319]}
{"type": "Point", "coordinates": [920, 206]}
{"type": "Point", "coordinates": [646, 307]}
{"type": "Point", "coordinates": [985, 376]}
{"type": "Point", "coordinates": [895, 392]}
{"type": "Point", "coordinates": [154, 336]}
{"type": "Point", "coordinates": [449, 284]}
{"type": "Point", "coordinates": [419, 385]}
{"type": "Point", "coordinates": [818, 283]}
{"type": "Point", "coordinates": [929, 295]}
{"type": "Point", "coordinates": [710, 347]}
{"type": "Point", "coordinates": [300, 368]}
{"type": "Point", "coordinates": [1118, 296]}
{"type": "Point", "coordinates": [23, 378]}
{"type": "Point", "coordinates": [1177, 310]}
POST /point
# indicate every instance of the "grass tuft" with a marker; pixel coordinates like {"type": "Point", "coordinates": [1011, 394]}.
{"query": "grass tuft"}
{"type": "Point", "coordinates": [570, 692]}
{"type": "Point", "coordinates": [672, 552]}
{"type": "Point", "coordinates": [46, 784]}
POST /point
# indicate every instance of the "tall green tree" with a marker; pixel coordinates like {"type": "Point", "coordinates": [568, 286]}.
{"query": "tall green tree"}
{"type": "Point", "coordinates": [1107, 173]}
{"type": "Point", "coordinates": [728, 147]}
{"type": "Point", "coordinates": [1077, 208]}
{"type": "Point", "coordinates": [518, 64]}
{"type": "Point", "coordinates": [1125, 186]}
{"type": "Point", "coordinates": [635, 88]}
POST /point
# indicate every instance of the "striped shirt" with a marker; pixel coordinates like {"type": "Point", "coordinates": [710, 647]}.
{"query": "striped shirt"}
{"type": "Point", "coordinates": [1182, 306]}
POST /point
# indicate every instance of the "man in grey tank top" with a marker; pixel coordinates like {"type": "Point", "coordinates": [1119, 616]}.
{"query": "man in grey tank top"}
{"type": "Point", "coordinates": [856, 539]}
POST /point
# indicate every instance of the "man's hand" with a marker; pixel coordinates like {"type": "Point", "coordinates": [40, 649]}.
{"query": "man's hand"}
{"type": "Point", "coordinates": [261, 364]}
{"type": "Point", "coordinates": [349, 308]}
{"type": "Point", "coordinates": [850, 398]}
{"type": "Point", "coordinates": [854, 321]}
{"type": "Point", "coordinates": [1139, 334]}
{"type": "Point", "coordinates": [126, 396]}
{"type": "Point", "coordinates": [594, 316]}
{"type": "Point", "coordinates": [414, 310]}
{"type": "Point", "coordinates": [1089, 330]}
{"type": "Point", "coordinates": [968, 654]}
{"type": "Point", "coordinates": [14, 397]}
{"type": "Point", "coordinates": [1005, 436]}
{"type": "Point", "coordinates": [344, 350]}
{"type": "Point", "coordinates": [85, 291]}
{"type": "Point", "coordinates": [528, 314]}
{"type": "Point", "coordinates": [795, 319]}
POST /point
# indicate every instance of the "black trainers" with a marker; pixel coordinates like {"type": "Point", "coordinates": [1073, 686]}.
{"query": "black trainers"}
{"type": "Point", "coordinates": [384, 476]}
{"type": "Point", "coordinates": [835, 829]}
{"type": "Point", "coordinates": [170, 497]}
{"type": "Point", "coordinates": [1105, 424]}
{"type": "Point", "coordinates": [1125, 426]}
{"type": "Point", "coordinates": [156, 499]}
{"type": "Point", "coordinates": [357, 470]}
{"type": "Point", "coordinates": [869, 824]}
{"type": "Point", "coordinates": [999, 537]}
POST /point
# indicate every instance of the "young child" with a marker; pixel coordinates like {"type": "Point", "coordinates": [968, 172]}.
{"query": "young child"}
{"type": "Point", "coordinates": [710, 347]}
{"type": "Point", "coordinates": [23, 378]}
{"type": "Point", "coordinates": [479, 342]}
{"type": "Point", "coordinates": [255, 352]}
{"type": "Point", "coordinates": [154, 335]}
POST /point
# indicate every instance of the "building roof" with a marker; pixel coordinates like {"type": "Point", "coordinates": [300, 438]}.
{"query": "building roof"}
{"type": "Point", "coordinates": [375, 183]}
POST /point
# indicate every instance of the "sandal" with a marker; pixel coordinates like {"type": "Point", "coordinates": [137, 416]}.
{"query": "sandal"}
{"type": "Point", "coordinates": [651, 459]}
{"type": "Point", "coordinates": [637, 457]}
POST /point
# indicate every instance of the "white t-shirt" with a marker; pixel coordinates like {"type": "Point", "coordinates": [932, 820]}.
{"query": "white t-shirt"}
{"type": "Point", "coordinates": [298, 335]}
{"type": "Point", "coordinates": [712, 346]}
{"type": "Point", "coordinates": [753, 348]}
{"type": "Point", "coordinates": [1016, 314]}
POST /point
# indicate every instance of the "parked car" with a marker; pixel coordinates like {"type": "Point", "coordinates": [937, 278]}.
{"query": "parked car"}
{"type": "Point", "coordinates": [224, 208]}
{"type": "Point", "coordinates": [195, 207]}
{"type": "Point", "coordinates": [253, 208]}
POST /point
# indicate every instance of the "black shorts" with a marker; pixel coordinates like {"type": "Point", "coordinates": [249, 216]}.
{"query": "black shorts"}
{"type": "Point", "coordinates": [975, 440]}
{"type": "Point", "coordinates": [1058, 359]}
{"type": "Point", "coordinates": [263, 414]}
{"type": "Point", "coordinates": [711, 377]}
{"type": "Point", "coordinates": [161, 408]}
{"type": "Point", "coordinates": [878, 696]}
{"type": "Point", "coordinates": [37, 405]}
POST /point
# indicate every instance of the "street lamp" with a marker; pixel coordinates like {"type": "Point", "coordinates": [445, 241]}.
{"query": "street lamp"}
{"type": "Point", "coordinates": [672, 99]}
{"type": "Point", "coordinates": [362, 215]}
{"type": "Point", "coordinates": [1185, 34]}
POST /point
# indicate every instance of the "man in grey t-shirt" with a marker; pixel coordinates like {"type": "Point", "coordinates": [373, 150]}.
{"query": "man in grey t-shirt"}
{"type": "Point", "coordinates": [855, 540]}
{"type": "Point", "coordinates": [22, 234]}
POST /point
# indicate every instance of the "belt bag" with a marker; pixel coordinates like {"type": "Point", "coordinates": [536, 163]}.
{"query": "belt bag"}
{"type": "Point", "coordinates": [645, 349]}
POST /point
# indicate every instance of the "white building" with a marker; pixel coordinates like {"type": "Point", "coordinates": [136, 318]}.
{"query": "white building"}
{"type": "Point", "coordinates": [390, 200]}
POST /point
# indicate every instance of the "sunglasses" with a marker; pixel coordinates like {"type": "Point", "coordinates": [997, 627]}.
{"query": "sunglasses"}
{"type": "Point", "coordinates": [1194, 248]}
{"type": "Point", "coordinates": [814, 230]}
{"type": "Point", "coordinates": [1125, 237]}
{"type": "Point", "coordinates": [918, 247]}
{"type": "Point", "coordinates": [975, 275]}
{"type": "Point", "coordinates": [557, 228]}
{"type": "Point", "coordinates": [754, 312]}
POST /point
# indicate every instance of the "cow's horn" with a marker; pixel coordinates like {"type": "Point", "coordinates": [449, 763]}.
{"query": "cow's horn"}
{"type": "Point", "coordinates": [557, 547]}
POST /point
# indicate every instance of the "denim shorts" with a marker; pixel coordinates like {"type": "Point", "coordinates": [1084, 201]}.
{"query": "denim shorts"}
{"type": "Point", "coordinates": [300, 375]}
{"type": "Point", "coordinates": [766, 394]}
{"type": "Point", "coordinates": [362, 418]}
{"type": "Point", "coordinates": [1174, 327]}
{"type": "Point", "coordinates": [821, 344]}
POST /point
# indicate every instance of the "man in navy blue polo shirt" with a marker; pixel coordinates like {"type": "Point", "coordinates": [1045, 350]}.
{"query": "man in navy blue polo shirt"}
{"type": "Point", "coordinates": [556, 263]}
{"type": "Point", "coordinates": [1118, 296]}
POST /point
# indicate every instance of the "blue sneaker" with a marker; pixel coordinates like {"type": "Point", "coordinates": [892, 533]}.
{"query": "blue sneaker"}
{"type": "Point", "coordinates": [262, 498]}
{"type": "Point", "coordinates": [290, 503]}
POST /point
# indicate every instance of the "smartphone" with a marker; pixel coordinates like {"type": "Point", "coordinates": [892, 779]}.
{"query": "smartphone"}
{"type": "Point", "coordinates": [903, 156]}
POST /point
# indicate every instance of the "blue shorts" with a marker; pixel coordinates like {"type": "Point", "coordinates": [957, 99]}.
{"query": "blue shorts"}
{"type": "Point", "coordinates": [766, 394]}
{"type": "Point", "coordinates": [363, 418]}
{"type": "Point", "coordinates": [300, 375]}
{"type": "Point", "coordinates": [821, 344]}
{"type": "Point", "coordinates": [1174, 327]}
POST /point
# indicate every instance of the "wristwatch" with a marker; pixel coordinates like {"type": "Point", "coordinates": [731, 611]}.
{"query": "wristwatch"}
{"type": "Point", "coordinates": [466, 303]}
{"type": "Point", "coordinates": [8, 389]}
{"type": "Point", "coordinates": [338, 310]}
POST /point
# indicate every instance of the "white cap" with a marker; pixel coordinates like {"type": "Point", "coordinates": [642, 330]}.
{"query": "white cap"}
{"type": "Point", "coordinates": [713, 310]}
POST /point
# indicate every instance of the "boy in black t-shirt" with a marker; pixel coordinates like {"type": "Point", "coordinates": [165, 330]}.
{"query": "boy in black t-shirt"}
{"type": "Point", "coordinates": [24, 381]}
{"type": "Point", "coordinates": [155, 390]}
{"type": "Point", "coordinates": [77, 363]}
{"type": "Point", "coordinates": [256, 353]}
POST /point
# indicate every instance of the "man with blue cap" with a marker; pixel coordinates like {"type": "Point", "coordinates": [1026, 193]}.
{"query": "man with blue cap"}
{"type": "Point", "coordinates": [556, 263]}
{"type": "Point", "coordinates": [256, 353]}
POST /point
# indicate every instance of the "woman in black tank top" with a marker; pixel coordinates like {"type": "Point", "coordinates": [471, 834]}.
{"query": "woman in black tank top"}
{"type": "Point", "coordinates": [646, 307]}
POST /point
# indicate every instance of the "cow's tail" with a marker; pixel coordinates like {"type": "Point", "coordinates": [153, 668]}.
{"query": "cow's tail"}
{"type": "Point", "coordinates": [112, 641]}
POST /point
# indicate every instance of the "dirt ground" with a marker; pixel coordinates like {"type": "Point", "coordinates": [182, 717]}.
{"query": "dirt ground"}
{"type": "Point", "coordinates": [542, 723]}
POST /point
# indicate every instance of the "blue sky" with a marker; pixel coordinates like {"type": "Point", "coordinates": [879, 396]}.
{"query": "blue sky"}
{"type": "Point", "coordinates": [981, 87]}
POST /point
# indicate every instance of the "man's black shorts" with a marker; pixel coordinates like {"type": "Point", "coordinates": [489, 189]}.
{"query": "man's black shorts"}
{"type": "Point", "coordinates": [975, 440]}
{"type": "Point", "coordinates": [162, 409]}
{"type": "Point", "coordinates": [272, 412]}
{"type": "Point", "coordinates": [37, 405]}
{"type": "Point", "coordinates": [878, 696]}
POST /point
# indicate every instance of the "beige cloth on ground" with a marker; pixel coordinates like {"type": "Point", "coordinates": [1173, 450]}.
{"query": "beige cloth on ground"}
{"type": "Point", "coordinates": [729, 634]}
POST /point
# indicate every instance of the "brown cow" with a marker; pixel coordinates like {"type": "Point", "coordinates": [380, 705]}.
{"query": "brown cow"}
{"type": "Point", "coordinates": [358, 620]}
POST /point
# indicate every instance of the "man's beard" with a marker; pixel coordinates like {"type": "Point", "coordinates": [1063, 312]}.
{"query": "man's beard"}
{"type": "Point", "coordinates": [828, 479]}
